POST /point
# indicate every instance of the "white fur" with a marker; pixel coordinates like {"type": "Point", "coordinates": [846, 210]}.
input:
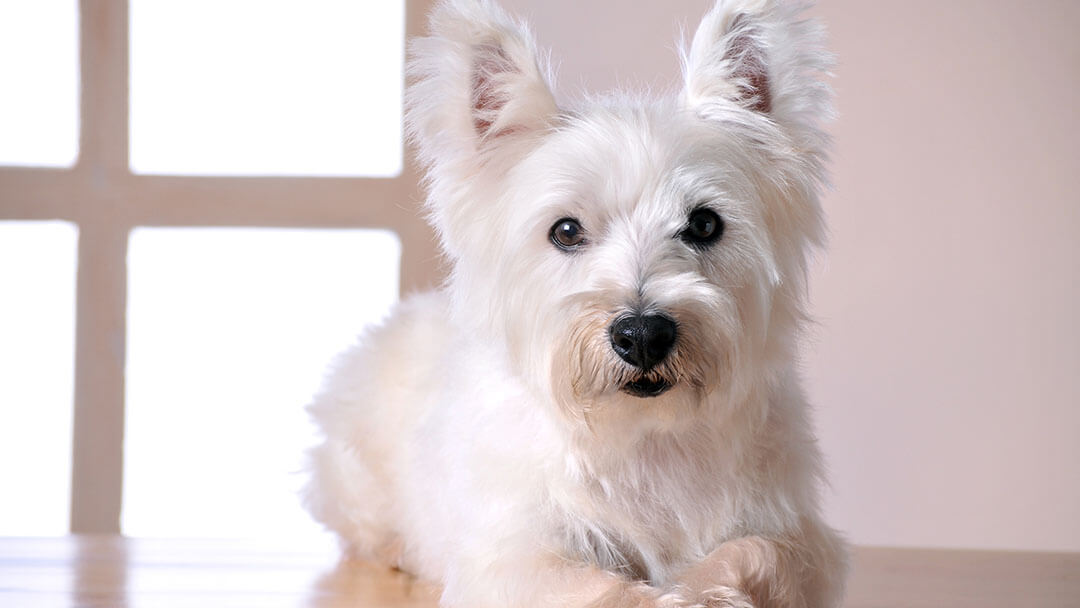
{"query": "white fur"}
{"type": "Point", "coordinates": [480, 438]}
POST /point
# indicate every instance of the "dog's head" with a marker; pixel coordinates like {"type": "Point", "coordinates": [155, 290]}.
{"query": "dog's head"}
{"type": "Point", "coordinates": [638, 260]}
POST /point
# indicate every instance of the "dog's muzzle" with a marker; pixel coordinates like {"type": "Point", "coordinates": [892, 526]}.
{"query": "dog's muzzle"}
{"type": "Point", "coordinates": [644, 341]}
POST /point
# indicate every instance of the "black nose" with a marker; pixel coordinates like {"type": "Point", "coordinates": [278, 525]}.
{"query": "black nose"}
{"type": "Point", "coordinates": [643, 340]}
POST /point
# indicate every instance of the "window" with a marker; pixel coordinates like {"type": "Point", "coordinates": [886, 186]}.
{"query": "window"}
{"type": "Point", "coordinates": [229, 332]}
{"type": "Point", "coordinates": [39, 77]}
{"type": "Point", "coordinates": [300, 206]}
{"type": "Point", "coordinates": [37, 354]}
{"type": "Point", "coordinates": [280, 87]}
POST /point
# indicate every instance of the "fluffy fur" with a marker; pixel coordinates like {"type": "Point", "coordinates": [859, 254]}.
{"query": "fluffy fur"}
{"type": "Point", "coordinates": [482, 437]}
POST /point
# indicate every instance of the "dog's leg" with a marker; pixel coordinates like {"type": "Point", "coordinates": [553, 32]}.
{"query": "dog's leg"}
{"type": "Point", "coordinates": [551, 582]}
{"type": "Point", "coordinates": [616, 592]}
{"type": "Point", "coordinates": [802, 570]}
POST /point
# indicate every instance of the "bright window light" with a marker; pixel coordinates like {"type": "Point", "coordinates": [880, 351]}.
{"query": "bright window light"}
{"type": "Point", "coordinates": [39, 82]}
{"type": "Point", "coordinates": [265, 87]}
{"type": "Point", "coordinates": [38, 263]}
{"type": "Point", "coordinates": [229, 333]}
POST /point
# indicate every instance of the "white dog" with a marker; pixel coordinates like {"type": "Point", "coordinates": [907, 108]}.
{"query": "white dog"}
{"type": "Point", "coordinates": [602, 407]}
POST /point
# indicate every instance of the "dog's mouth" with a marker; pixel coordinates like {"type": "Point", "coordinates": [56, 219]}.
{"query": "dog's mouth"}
{"type": "Point", "coordinates": [644, 387]}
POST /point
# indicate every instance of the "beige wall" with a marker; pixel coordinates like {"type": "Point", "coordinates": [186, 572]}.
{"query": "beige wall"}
{"type": "Point", "coordinates": [947, 359]}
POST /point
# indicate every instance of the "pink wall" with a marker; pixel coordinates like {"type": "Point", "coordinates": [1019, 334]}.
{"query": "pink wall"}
{"type": "Point", "coordinates": [947, 362]}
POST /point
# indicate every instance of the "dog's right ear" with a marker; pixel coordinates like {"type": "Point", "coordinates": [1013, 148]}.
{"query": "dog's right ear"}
{"type": "Point", "coordinates": [477, 87]}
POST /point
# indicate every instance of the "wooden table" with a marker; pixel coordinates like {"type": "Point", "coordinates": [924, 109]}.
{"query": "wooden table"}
{"type": "Point", "coordinates": [114, 572]}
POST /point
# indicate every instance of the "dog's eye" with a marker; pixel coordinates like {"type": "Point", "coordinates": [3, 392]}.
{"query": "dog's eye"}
{"type": "Point", "coordinates": [703, 229]}
{"type": "Point", "coordinates": [567, 234]}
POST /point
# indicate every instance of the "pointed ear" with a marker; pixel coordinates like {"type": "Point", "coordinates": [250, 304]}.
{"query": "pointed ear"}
{"type": "Point", "coordinates": [476, 84]}
{"type": "Point", "coordinates": [763, 56]}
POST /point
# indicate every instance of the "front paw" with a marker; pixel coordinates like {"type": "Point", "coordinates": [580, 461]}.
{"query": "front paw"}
{"type": "Point", "coordinates": [640, 595]}
{"type": "Point", "coordinates": [723, 597]}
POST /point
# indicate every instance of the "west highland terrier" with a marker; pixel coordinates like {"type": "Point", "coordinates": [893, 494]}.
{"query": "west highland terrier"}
{"type": "Point", "coordinates": [602, 406]}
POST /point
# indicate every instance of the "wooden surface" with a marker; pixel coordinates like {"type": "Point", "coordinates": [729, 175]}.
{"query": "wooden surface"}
{"type": "Point", "coordinates": [104, 571]}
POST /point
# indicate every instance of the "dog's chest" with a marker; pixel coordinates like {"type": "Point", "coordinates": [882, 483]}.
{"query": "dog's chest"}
{"type": "Point", "coordinates": [648, 523]}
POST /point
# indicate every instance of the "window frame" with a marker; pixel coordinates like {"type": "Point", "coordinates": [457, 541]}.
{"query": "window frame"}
{"type": "Point", "coordinates": [106, 201]}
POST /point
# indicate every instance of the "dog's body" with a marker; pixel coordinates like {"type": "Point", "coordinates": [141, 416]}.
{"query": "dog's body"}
{"type": "Point", "coordinates": [601, 408]}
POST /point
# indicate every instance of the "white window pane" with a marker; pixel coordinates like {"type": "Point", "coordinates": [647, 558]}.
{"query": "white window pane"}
{"type": "Point", "coordinates": [229, 332]}
{"type": "Point", "coordinates": [39, 82]}
{"type": "Point", "coordinates": [258, 87]}
{"type": "Point", "coordinates": [38, 263]}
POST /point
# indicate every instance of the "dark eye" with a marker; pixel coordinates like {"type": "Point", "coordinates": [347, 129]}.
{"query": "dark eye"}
{"type": "Point", "coordinates": [567, 234]}
{"type": "Point", "coordinates": [703, 229]}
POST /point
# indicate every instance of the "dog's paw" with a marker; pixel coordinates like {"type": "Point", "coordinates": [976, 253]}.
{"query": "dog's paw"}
{"type": "Point", "coordinates": [640, 595]}
{"type": "Point", "coordinates": [723, 597]}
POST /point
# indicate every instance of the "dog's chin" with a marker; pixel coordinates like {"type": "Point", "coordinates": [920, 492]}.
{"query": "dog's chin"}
{"type": "Point", "coordinates": [644, 387]}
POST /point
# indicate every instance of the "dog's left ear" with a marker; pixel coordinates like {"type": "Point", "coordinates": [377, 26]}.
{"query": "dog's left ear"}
{"type": "Point", "coordinates": [763, 56]}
